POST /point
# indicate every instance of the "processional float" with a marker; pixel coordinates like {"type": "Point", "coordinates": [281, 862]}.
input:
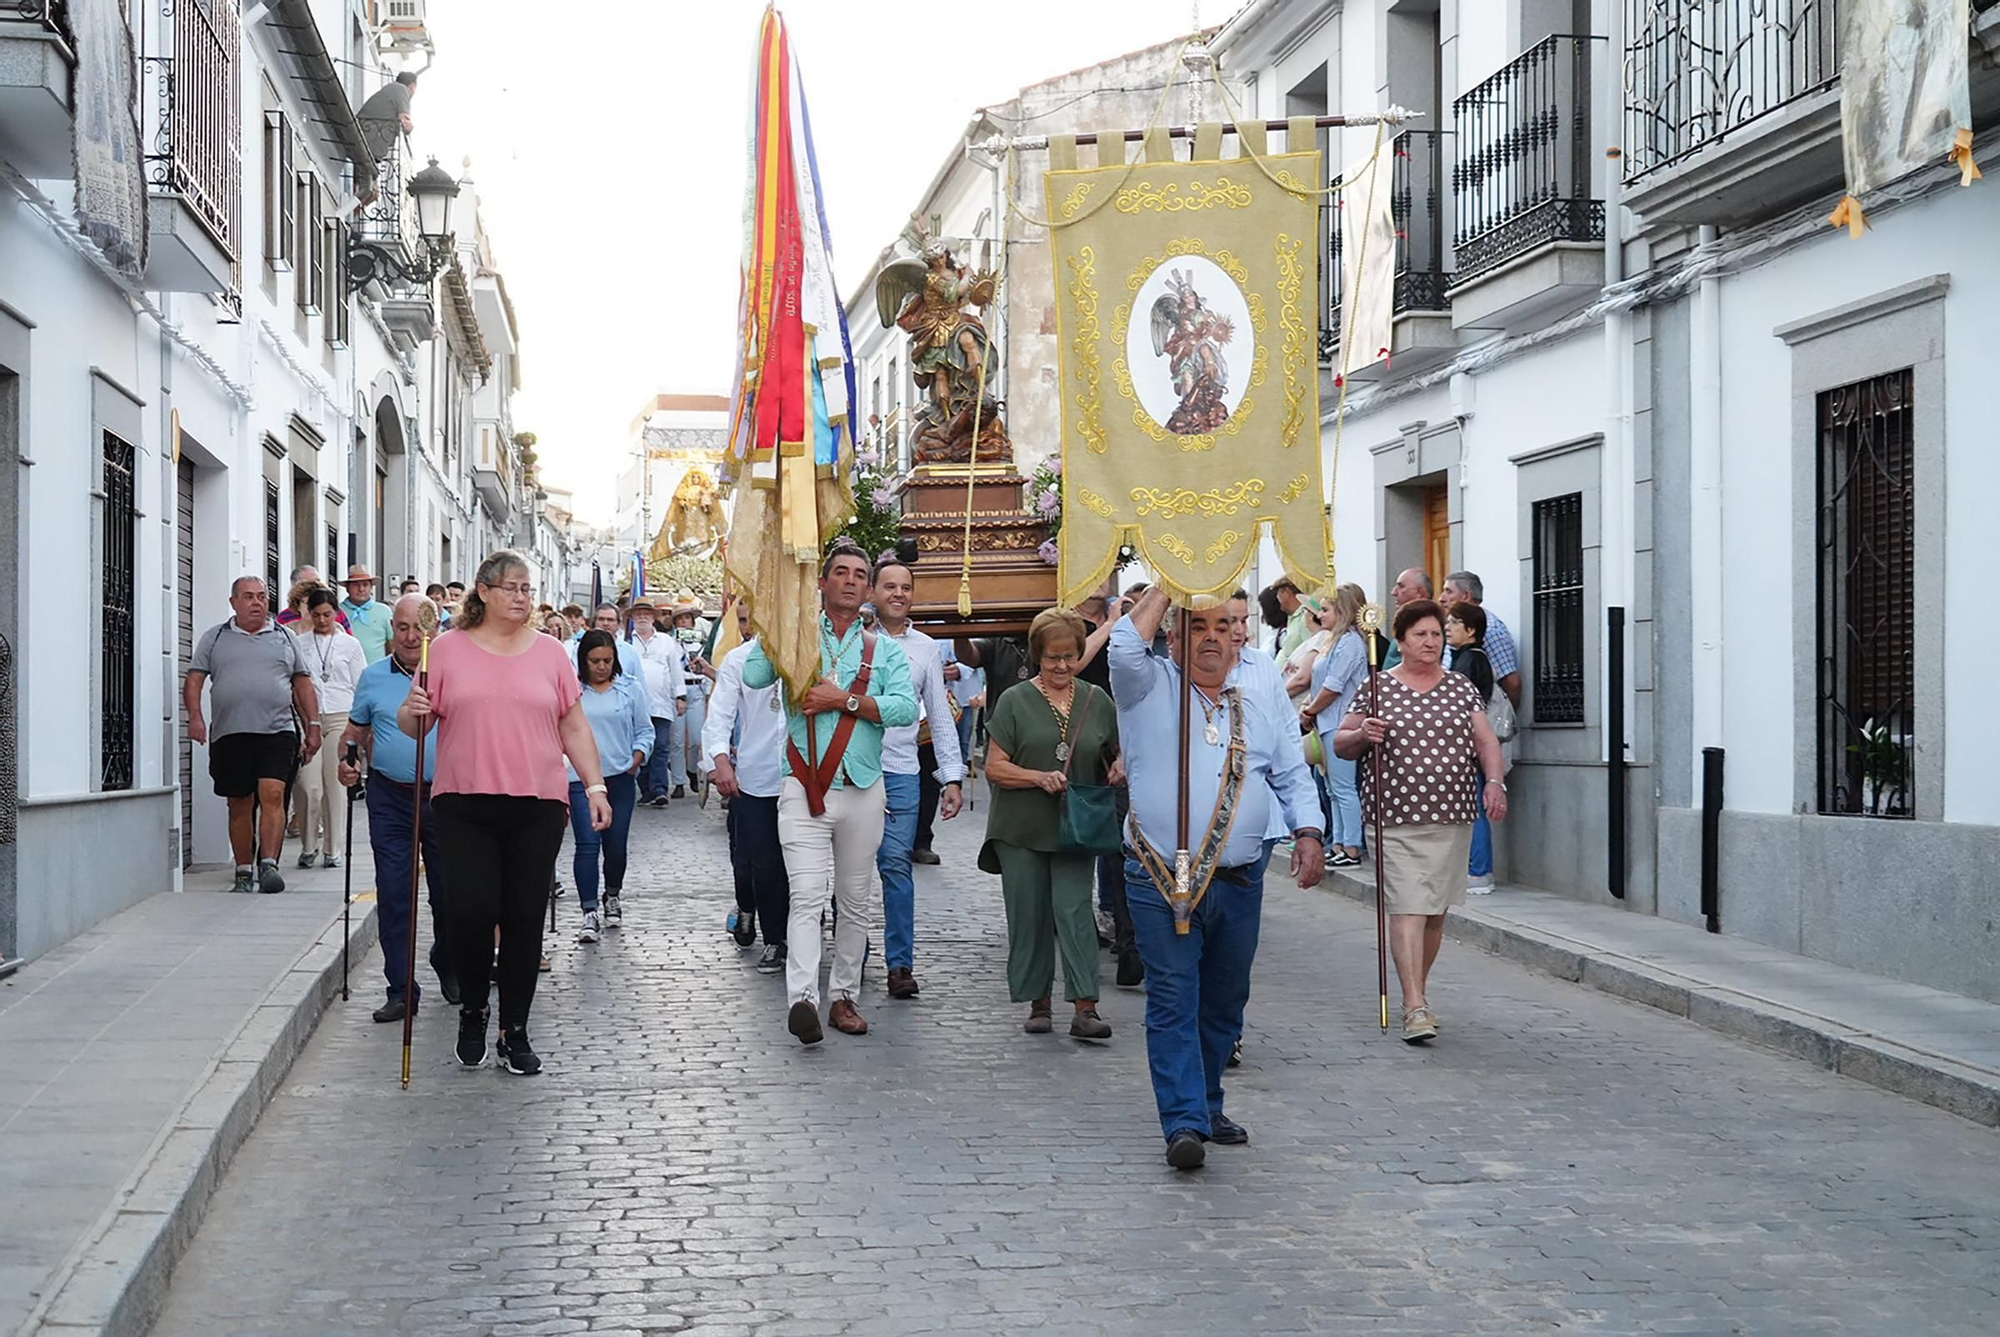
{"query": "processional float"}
{"type": "Point", "coordinates": [1186, 292]}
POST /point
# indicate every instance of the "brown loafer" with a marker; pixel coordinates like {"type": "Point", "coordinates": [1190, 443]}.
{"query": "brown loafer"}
{"type": "Point", "coordinates": [902, 983]}
{"type": "Point", "coordinates": [846, 1018]}
{"type": "Point", "coordinates": [1039, 1021]}
{"type": "Point", "coordinates": [1087, 1025]}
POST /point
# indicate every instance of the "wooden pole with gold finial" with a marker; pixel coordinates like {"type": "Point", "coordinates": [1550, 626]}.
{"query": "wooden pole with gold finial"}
{"type": "Point", "coordinates": [1370, 622]}
{"type": "Point", "coordinates": [427, 621]}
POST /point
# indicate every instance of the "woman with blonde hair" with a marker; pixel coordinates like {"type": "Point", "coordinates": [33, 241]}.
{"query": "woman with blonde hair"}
{"type": "Point", "coordinates": [509, 711]}
{"type": "Point", "coordinates": [1340, 671]}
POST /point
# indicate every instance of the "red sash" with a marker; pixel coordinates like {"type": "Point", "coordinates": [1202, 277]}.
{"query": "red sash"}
{"type": "Point", "coordinates": [818, 782]}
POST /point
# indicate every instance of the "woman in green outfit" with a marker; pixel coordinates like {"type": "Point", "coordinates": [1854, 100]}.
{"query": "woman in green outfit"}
{"type": "Point", "coordinates": [1048, 891]}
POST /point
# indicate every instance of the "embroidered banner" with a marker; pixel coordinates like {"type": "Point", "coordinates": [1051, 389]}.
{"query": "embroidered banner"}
{"type": "Point", "coordinates": [1187, 301]}
{"type": "Point", "coordinates": [1904, 87]}
{"type": "Point", "coordinates": [110, 171]}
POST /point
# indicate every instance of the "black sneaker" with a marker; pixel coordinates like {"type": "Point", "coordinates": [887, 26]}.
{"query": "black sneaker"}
{"type": "Point", "coordinates": [772, 961]}
{"type": "Point", "coordinates": [471, 1037]}
{"type": "Point", "coordinates": [516, 1055]}
{"type": "Point", "coordinates": [743, 927]}
{"type": "Point", "coordinates": [614, 910]}
{"type": "Point", "coordinates": [269, 880]}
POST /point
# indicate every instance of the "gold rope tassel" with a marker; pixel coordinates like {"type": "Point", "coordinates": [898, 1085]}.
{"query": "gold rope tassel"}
{"type": "Point", "coordinates": [972, 477]}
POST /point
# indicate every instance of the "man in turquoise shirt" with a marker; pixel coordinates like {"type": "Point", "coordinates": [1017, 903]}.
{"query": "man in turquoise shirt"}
{"type": "Point", "coordinates": [367, 617]}
{"type": "Point", "coordinates": [830, 822]}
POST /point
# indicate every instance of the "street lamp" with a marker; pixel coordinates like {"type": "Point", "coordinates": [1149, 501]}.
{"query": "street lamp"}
{"type": "Point", "coordinates": [433, 190]}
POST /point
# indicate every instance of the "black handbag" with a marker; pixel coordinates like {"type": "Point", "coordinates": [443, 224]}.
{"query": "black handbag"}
{"type": "Point", "coordinates": [1088, 814]}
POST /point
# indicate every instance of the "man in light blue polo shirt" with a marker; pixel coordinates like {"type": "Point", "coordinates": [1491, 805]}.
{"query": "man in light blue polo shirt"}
{"type": "Point", "coordinates": [367, 617]}
{"type": "Point", "coordinates": [392, 804]}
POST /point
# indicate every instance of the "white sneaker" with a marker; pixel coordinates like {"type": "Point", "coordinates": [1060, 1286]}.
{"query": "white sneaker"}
{"type": "Point", "coordinates": [1479, 886]}
{"type": "Point", "coordinates": [588, 933]}
{"type": "Point", "coordinates": [614, 910]}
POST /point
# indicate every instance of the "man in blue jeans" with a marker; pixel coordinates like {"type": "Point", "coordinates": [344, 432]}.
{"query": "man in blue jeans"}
{"type": "Point", "coordinates": [391, 757]}
{"type": "Point", "coordinates": [901, 782]}
{"type": "Point", "coordinates": [663, 667]}
{"type": "Point", "coordinates": [1243, 758]}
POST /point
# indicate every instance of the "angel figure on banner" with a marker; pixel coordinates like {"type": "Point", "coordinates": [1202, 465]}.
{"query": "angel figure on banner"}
{"type": "Point", "coordinates": [951, 357]}
{"type": "Point", "coordinates": [1192, 339]}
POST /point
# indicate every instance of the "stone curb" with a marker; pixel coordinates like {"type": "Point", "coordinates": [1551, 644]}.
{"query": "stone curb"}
{"type": "Point", "coordinates": [115, 1281]}
{"type": "Point", "coordinates": [1969, 1092]}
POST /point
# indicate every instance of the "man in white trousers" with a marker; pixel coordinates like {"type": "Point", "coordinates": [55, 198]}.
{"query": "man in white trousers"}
{"type": "Point", "coordinates": [831, 806]}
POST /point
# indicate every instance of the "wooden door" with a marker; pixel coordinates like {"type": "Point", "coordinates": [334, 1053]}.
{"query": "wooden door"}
{"type": "Point", "coordinates": [1437, 534]}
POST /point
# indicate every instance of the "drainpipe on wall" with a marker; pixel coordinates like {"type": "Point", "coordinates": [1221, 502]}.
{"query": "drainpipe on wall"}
{"type": "Point", "coordinates": [1616, 507]}
{"type": "Point", "coordinates": [169, 568]}
{"type": "Point", "coordinates": [1705, 511]}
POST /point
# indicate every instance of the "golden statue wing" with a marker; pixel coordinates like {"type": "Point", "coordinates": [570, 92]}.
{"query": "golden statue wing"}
{"type": "Point", "coordinates": [899, 281]}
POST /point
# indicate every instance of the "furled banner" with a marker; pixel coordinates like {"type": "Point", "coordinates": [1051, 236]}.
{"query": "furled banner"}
{"type": "Point", "coordinates": [1187, 300]}
{"type": "Point", "coordinates": [1905, 94]}
{"type": "Point", "coordinates": [110, 167]}
{"type": "Point", "coordinates": [791, 446]}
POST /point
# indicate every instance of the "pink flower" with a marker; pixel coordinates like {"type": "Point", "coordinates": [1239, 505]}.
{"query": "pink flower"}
{"type": "Point", "coordinates": [1049, 502]}
{"type": "Point", "coordinates": [1048, 552]}
{"type": "Point", "coordinates": [883, 496]}
{"type": "Point", "coordinates": [868, 459]}
{"type": "Point", "coordinates": [1055, 465]}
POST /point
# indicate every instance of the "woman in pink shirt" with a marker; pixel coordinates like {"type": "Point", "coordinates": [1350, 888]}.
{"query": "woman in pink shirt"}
{"type": "Point", "coordinates": [507, 704]}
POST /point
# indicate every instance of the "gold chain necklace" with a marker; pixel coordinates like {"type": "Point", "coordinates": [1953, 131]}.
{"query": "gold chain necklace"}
{"type": "Point", "coordinates": [1061, 715]}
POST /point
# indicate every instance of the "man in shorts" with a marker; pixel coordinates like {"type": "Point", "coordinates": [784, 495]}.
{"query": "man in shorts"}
{"type": "Point", "coordinates": [261, 689]}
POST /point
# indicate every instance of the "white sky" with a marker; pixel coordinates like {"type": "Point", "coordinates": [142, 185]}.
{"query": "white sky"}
{"type": "Point", "coordinates": [608, 141]}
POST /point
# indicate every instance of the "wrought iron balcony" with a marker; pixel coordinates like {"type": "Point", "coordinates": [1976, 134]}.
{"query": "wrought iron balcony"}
{"type": "Point", "coordinates": [193, 126]}
{"type": "Point", "coordinates": [52, 15]}
{"type": "Point", "coordinates": [391, 218]}
{"type": "Point", "coordinates": [1696, 73]}
{"type": "Point", "coordinates": [1523, 176]}
{"type": "Point", "coordinates": [1416, 185]}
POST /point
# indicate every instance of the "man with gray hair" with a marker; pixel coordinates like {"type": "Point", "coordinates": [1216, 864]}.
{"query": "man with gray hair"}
{"type": "Point", "coordinates": [1411, 585]}
{"type": "Point", "coordinates": [1501, 651]}
{"type": "Point", "coordinates": [262, 688]}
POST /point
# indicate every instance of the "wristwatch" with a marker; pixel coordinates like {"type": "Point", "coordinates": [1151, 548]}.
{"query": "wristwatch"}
{"type": "Point", "coordinates": [853, 704]}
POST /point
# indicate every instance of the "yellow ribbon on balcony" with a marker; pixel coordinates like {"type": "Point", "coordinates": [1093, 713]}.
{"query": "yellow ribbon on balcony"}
{"type": "Point", "coordinates": [1848, 214]}
{"type": "Point", "coordinates": [1961, 156]}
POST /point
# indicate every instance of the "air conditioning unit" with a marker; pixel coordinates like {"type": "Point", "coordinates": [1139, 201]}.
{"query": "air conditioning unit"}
{"type": "Point", "coordinates": [402, 13]}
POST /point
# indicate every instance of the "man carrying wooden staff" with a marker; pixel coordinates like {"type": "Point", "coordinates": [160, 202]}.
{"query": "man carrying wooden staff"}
{"type": "Point", "coordinates": [1243, 754]}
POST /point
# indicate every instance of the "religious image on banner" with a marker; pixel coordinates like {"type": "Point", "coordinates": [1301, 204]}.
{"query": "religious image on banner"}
{"type": "Point", "coordinates": [1187, 303]}
{"type": "Point", "coordinates": [1905, 95]}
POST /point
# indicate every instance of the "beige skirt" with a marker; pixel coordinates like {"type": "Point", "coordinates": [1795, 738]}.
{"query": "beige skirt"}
{"type": "Point", "coordinates": [1424, 866]}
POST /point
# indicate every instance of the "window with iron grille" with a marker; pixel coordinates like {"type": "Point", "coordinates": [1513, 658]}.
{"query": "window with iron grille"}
{"type": "Point", "coordinates": [1558, 592]}
{"type": "Point", "coordinates": [280, 231]}
{"type": "Point", "coordinates": [1866, 544]}
{"type": "Point", "coordinates": [332, 551]}
{"type": "Point", "coordinates": [272, 557]}
{"type": "Point", "coordinates": [116, 608]}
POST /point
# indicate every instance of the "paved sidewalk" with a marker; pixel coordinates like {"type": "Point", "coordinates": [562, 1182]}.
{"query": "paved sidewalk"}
{"type": "Point", "coordinates": [138, 1056]}
{"type": "Point", "coordinates": [1937, 1047]}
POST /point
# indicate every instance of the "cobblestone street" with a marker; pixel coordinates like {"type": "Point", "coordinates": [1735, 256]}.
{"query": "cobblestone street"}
{"type": "Point", "coordinates": [1559, 1161]}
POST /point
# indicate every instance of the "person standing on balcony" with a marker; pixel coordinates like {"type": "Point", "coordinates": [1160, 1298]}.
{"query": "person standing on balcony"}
{"type": "Point", "coordinates": [383, 117]}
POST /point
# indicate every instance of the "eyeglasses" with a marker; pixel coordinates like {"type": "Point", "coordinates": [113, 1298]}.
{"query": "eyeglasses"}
{"type": "Point", "coordinates": [515, 591]}
{"type": "Point", "coordinates": [1060, 659]}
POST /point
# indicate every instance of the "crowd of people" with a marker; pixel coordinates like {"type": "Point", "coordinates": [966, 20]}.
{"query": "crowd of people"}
{"type": "Point", "coordinates": [539, 720]}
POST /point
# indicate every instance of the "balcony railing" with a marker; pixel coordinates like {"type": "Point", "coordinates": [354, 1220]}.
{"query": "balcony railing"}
{"type": "Point", "coordinates": [52, 15]}
{"type": "Point", "coordinates": [193, 124]}
{"type": "Point", "coordinates": [1416, 187]}
{"type": "Point", "coordinates": [1698, 71]}
{"type": "Point", "coordinates": [1523, 177]}
{"type": "Point", "coordinates": [391, 218]}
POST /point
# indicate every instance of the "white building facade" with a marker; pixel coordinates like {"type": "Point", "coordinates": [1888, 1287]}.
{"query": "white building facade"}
{"type": "Point", "coordinates": [1696, 443]}
{"type": "Point", "coordinates": [241, 405]}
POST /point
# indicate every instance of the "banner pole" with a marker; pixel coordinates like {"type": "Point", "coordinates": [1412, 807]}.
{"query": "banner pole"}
{"type": "Point", "coordinates": [1392, 116]}
{"type": "Point", "coordinates": [1183, 873]}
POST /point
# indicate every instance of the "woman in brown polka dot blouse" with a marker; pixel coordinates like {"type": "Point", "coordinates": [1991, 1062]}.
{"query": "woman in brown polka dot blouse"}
{"type": "Point", "coordinates": [1423, 727]}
